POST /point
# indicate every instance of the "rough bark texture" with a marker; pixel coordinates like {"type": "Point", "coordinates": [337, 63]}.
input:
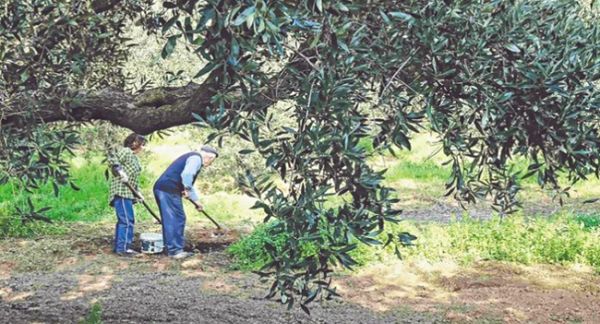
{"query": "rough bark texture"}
{"type": "Point", "coordinates": [149, 111]}
{"type": "Point", "coordinates": [144, 113]}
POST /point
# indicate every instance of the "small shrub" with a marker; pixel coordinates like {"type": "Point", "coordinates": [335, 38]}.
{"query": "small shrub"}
{"type": "Point", "coordinates": [250, 253]}
{"type": "Point", "coordinates": [589, 221]}
{"type": "Point", "coordinates": [592, 254]}
{"type": "Point", "coordinates": [94, 316]}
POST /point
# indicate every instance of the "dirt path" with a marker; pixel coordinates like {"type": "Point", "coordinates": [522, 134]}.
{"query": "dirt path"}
{"type": "Point", "coordinates": [58, 280]}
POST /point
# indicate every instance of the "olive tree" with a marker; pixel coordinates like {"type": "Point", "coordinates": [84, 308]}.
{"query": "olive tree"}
{"type": "Point", "coordinates": [494, 79]}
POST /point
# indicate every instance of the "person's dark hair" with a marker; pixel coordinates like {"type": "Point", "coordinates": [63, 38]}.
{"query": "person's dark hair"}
{"type": "Point", "coordinates": [210, 149]}
{"type": "Point", "coordinates": [132, 139]}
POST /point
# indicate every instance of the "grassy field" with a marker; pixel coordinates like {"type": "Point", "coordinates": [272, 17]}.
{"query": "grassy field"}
{"type": "Point", "coordinates": [561, 239]}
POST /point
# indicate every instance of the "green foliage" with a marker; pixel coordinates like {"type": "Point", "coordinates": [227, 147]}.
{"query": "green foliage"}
{"type": "Point", "coordinates": [366, 144]}
{"type": "Point", "coordinates": [50, 52]}
{"type": "Point", "coordinates": [94, 316]}
{"type": "Point", "coordinates": [558, 240]}
{"type": "Point", "coordinates": [426, 171]}
{"type": "Point", "coordinates": [13, 226]}
{"type": "Point", "coordinates": [100, 137]}
{"type": "Point", "coordinates": [250, 252]}
{"type": "Point", "coordinates": [90, 203]}
{"type": "Point", "coordinates": [33, 158]}
{"type": "Point", "coordinates": [489, 112]}
{"type": "Point", "coordinates": [592, 255]}
{"type": "Point", "coordinates": [589, 221]}
{"type": "Point", "coordinates": [498, 80]}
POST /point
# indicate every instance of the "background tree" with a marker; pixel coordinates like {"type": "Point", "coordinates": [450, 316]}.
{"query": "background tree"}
{"type": "Point", "coordinates": [495, 80]}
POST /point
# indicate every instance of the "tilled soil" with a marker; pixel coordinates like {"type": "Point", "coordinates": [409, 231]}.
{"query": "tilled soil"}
{"type": "Point", "coordinates": [157, 289]}
{"type": "Point", "coordinates": [77, 272]}
{"type": "Point", "coordinates": [164, 298]}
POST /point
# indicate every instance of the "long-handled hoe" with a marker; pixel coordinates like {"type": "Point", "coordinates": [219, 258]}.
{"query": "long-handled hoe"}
{"type": "Point", "coordinates": [219, 229]}
{"type": "Point", "coordinates": [139, 196]}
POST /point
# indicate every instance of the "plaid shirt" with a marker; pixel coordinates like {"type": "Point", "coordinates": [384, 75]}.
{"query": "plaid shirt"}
{"type": "Point", "coordinates": [125, 157]}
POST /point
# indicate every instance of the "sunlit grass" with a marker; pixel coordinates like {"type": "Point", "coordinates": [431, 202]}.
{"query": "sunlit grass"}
{"type": "Point", "coordinates": [561, 239]}
{"type": "Point", "coordinates": [90, 203]}
{"type": "Point", "coordinates": [227, 209]}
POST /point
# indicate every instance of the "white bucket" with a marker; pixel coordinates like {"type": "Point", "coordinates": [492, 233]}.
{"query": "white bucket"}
{"type": "Point", "coordinates": [152, 243]}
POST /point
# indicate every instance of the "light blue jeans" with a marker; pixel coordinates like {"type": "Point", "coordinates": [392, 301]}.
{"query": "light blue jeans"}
{"type": "Point", "coordinates": [125, 222]}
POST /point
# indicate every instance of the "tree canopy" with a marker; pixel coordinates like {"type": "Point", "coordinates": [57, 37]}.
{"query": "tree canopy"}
{"type": "Point", "coordinates": [494, 79]}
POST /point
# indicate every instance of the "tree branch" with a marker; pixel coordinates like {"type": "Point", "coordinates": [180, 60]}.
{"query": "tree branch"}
{"type": "Point", "coordinates": [146, 112]}
{"type": "Point", "coordinates": [151, 110]}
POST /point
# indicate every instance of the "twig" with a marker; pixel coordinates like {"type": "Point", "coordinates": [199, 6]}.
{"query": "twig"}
{"type": "Point", "coordinates": [303, 56]}
{"type": "Point", "coordinates": [396, 73]}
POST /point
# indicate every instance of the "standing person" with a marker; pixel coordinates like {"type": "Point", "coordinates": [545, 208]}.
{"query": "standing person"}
{"type": "Point", "coordinates": [178, 181]}
{"type": "Point", "coordinates": [125, 167]}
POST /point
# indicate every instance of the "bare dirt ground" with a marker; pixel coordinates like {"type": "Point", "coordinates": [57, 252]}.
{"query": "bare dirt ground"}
{"type": "Point", "coordinates": [489, 292]}
{"type": "Point", "coordinates": [424, 207]}
{"type": "Point", "coordinates": [57, 280]}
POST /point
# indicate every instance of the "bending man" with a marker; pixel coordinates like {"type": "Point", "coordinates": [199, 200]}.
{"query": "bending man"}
{"type": "Point", "coordinates": [176, 182]}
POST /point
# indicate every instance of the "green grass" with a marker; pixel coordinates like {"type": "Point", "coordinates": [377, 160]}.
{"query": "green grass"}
{"type": "Point", "coordinates": [230, 209]}
{"type": "Point", "coordinates": [426, 171]}
{"type": "Point", "coordinates": [558, 240]}
{"type": "Point", "coordinates": [90, 203]}
{"type": "Point", "coordinates": [94, 316]}
{"type": "Point", "coordinates": [12, 226]}
{"type": "Point", "coordinates": [589, 221]}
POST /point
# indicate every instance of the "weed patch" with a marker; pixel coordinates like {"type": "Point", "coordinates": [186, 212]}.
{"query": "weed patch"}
{"type": "Point", "coordinates": [589, 221]}
{"type": "Point", "coordinates": [558, 240]}
{"type": "Point", "coordinates": [94, 316]}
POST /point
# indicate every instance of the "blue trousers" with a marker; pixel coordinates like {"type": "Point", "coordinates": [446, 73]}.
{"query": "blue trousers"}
{"type": "Point", "coordinates": [173, 220]}
{"type": "Point", "coordinates": [125, 222]}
